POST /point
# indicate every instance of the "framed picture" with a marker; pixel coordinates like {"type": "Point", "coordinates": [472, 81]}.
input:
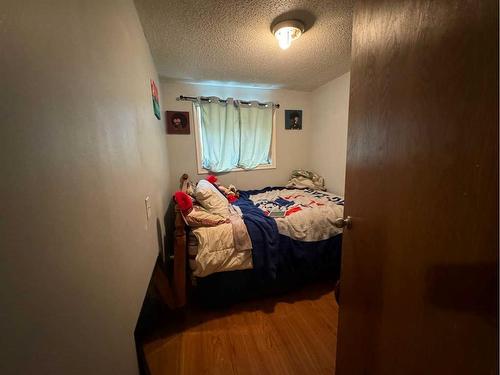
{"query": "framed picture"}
{"type": "Point", "coordinates": [156, 100]}
{"type": "Point", "coordinates": [177, 122]}
{"type": "Point", "coordinates": [293, 119]}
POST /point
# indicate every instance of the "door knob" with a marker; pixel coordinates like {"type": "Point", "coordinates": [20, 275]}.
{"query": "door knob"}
{"type": "Point", "coordinates": [343, 223]}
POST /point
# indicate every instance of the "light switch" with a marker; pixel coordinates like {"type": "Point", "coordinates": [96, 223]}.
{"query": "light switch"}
{"type": "Point", "coordinates": [147, 202]}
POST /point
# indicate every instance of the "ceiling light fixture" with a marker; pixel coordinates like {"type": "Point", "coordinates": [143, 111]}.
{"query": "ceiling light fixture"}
{"type": "Point", "coordinates": [287, 31]}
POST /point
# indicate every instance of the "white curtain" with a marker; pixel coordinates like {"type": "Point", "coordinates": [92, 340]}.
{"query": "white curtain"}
{"type": "Point", "coordinates": [220, 134]}
{"type": "Point", "coordinates": [234, 134]}
{"type": "Point", "coordinates": [256, 129]}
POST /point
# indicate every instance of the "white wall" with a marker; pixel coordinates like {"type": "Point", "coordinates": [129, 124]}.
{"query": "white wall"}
{"type": "Point", "coordinates": [79, 151]}
{"type": "Point", "coordinates": [292, 145]}
{"type": "Point", "coordinates": [330, 107]}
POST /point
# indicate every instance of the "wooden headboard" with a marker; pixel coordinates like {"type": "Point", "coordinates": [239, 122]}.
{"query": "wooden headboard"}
{"type": "Point", "coordinates": [174, 293]}
{"type": "Point", "coordinates": [180, 250]}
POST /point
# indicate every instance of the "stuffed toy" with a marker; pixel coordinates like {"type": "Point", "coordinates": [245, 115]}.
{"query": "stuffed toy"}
{"type": "Point", "coordinates": [231, 193]}
{"type": "Point", "coordinates": [234, 190]}
{"type": "Point", "coordinates": [184, 201]}
{"type": "Point", "coordinates": [212, 179]}
{"type": "Point", "coordinates": [232, 198]}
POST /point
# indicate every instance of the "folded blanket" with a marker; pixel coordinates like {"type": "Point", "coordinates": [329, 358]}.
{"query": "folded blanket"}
{"type": "Point", "coordinates": [305, 179]}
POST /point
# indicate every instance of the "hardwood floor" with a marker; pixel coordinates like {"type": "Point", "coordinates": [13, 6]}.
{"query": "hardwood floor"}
{"type": "Point", "coordinates": [295, 333]}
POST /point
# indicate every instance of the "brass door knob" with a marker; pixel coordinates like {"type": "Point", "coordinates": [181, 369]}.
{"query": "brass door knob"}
{"type": "Point", "coordinates": [343, 223]}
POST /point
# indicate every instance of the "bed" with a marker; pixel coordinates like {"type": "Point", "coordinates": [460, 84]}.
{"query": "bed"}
{"type": "Point", "coordinates": [273, 239]}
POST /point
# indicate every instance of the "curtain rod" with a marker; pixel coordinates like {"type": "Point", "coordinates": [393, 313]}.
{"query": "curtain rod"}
{"type": "Point", "coordinates": [193, 98]}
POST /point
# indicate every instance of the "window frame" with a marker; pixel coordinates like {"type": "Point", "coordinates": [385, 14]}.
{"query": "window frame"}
{"type": "Point", "coordinates": [199, 146]}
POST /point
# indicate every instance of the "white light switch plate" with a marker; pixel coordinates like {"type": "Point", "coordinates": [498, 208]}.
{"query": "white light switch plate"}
{"type": "Point", "coordinates": [147, 202]}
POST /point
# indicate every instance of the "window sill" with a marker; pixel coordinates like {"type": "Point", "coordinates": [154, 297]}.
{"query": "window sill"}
{"type": "Point", "coordinates": [257, 168]}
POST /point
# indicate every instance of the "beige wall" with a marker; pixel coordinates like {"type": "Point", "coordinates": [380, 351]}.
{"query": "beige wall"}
{"type": "Point", "coordinates": [330, 107]}
{"type": "Point", "coordinates": [292, 145]}
{"type": "Point", "coordinates": [79, 151]}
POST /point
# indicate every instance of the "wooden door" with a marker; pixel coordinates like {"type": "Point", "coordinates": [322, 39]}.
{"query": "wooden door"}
{"type": "Point", "coordinates": [419, 274]}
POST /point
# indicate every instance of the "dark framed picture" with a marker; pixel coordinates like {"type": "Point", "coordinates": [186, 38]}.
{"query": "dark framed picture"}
{"type": "Point", "coordinates": [293, 119]}
{"type": "Point", "coordinates": [177, 122]}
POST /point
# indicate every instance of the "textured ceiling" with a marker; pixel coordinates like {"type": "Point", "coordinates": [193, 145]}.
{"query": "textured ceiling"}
{"type": "Point", "coordinates": [231, 41]}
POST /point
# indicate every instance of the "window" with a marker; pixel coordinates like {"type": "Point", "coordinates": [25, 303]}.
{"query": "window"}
{"type": "Point", "coordinates": [232, 135]}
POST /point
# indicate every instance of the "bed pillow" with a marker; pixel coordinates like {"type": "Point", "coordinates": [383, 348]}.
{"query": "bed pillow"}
{"type": "Point", "coordinates": [205, 185]}
{"type": "Point", "coordinates": [199, 217]}
{"type": "Point", "coordinates": [212, 199]}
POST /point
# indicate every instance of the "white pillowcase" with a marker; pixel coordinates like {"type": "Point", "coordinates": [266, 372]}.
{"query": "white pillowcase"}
{"type": "Point", "coordinates": [211, 199]}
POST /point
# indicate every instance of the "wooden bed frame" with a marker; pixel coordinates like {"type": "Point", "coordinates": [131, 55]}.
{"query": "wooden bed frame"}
{"type": "Point", "coordinates": [175, 295]}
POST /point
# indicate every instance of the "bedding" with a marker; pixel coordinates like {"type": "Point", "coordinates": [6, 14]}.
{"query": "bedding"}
{"type": "Point", "coordinates": [198, 216]}
{"type": "Point", "coordinates": [320, 261]}
{"type": "Point", "coordinates": [306, 179]}
{"type": "Point", "coordinates": [216, 252]}
{"type": "Point", "coordinates": [309, 215]}
{"type": "Point", "coordinates": [269, 246]}
{"type": "Point", "coordinates": [225, 247]}
{"type": "Point", "coordinates": [208, 196]}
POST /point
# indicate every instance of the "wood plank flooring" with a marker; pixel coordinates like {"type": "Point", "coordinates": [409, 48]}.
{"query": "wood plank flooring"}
{"type": "Point", "coordinates": [294, 333]}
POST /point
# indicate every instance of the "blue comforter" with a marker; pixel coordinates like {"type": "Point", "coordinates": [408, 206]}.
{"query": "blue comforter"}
{"type": "Point", "coordinates": [275, 254]}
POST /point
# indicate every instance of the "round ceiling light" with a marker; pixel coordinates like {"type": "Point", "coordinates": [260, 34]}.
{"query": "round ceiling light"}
{"type": "Point", "coordinates": [287, 31]}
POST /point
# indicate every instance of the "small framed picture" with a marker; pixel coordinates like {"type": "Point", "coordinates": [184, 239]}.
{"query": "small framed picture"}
{"type": "Point", "coordinates": [177, 122]}
{"type": "Point", "coordinates": [293, 119]}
